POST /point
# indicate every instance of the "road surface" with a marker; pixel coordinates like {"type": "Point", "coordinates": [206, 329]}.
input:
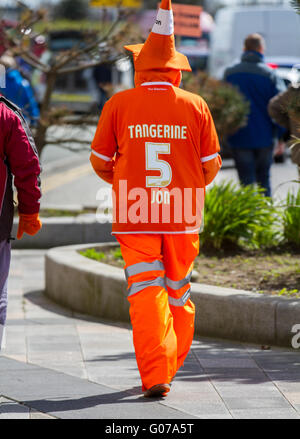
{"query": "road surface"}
{"type": "Point", "coordinates": [69, 179]}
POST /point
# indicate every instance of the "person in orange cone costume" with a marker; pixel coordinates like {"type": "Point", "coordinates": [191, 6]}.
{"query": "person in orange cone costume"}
{"type": "Point", "coordinates": [158, 146]}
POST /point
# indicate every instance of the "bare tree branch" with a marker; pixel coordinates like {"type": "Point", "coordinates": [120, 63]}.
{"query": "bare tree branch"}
{"type": "Point", "coordinates": [33, 58]}
{"type": "Point", "coordinates": [88, 48]}
{"type": "Point", "coordinates": [58, 141]}
{"type": "Point", "coordinates": [81, 121]}
{"type": "Point", "coordinates": [61, 144]}
{"type": "Point", "coordinates": [89, 121]}
{"type": "Point", "coordinates": [86, 66]}
{"type": "Point", "coordinates": [40, 66]}
{"type": "Point", "coordinates": [94, 48]}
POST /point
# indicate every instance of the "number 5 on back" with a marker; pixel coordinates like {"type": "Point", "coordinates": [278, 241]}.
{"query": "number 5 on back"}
{"type": "Point", "coordinates": [153, 163]}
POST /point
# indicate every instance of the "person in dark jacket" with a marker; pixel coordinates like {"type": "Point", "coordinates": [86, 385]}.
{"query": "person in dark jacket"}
{"type": "Point", "coordinates": [253, 144]}
{"type": "Point", "coordinates": [103, 77]}
{"type": "Point", "coordinates": [18, 158]}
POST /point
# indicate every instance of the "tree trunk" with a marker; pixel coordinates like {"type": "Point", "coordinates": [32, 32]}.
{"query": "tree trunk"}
{"type": "Point", "coordinates": [44, 123]}
{"type": "Point", "coordinates": [40, 138]}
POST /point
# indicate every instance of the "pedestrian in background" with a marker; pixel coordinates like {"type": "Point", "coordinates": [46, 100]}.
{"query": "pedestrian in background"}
{"type": "Point", "coordinates": [18, 158]}
{"type": "Point", "coordinates": [252, 145]}
{"type": "Point", "coordinates": [103, 77]}
{"type": "Point", "coordinates": [281, 111]}
{"type": "Point", "coordinates": [19, 91]}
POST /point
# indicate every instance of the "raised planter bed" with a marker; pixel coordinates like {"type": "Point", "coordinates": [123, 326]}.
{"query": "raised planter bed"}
{"type": "Point", "coordinates": [99, 289]}
{"type": "Point", "coordinates": [64, 230]}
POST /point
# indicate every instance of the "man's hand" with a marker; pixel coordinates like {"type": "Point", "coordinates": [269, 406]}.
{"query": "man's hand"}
{"type": "Point", "coordinates": [29, 224]}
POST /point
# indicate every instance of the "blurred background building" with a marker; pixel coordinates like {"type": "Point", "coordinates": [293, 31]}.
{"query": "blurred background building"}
{"type": "Point", "coordinates": [209, 32]}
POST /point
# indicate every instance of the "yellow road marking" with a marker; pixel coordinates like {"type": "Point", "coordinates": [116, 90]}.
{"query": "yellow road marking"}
{"type": "Point", "coordinates": [62, 178]}
{"type": "Point", "coordinates": [71, 98]}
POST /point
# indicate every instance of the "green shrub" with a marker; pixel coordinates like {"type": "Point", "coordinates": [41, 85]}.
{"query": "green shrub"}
{"type": "Point", "coordinates": [291, 219]}
{"type": "Point", "coordinates": [238, 216]}
{"type": "Point", "coordinates": [228, 106]}
{"type": "Point", "coordinates": [296, 5]}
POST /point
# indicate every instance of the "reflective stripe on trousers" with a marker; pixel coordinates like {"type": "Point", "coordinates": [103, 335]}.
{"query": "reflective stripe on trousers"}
{"type": "Point", "coordinates": [143, 267]}
{"type": "Point", "coordinates": [176, 285]}
{"type": "Point", "coordinates": [165, 282]}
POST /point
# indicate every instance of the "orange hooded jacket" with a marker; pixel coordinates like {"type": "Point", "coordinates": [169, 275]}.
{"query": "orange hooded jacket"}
{"type": "Point", "coordinates": [156, 138]}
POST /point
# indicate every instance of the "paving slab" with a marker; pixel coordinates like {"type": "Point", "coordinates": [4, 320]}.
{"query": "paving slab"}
{"type": "Point", "coordinates": [10, 409]}
{"type": "Point", "coordinates": [265, 414]}
{"type": "Point", "coordinates": [274, 401]}
{"type": "Point", "coordinates": [13, 410]}
{"type": "Point", "coordinates": [62, 364]}
{"type": "Point", "coordinates": [67, 397]}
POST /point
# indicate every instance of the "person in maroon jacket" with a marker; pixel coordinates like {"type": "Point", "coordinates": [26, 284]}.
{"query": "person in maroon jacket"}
{"type": "Point", "coordinates": [18, 158]}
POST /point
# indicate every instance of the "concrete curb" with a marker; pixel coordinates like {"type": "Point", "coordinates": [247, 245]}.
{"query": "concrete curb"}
{"type": "Point", "coordinates": [98, 289]}
{"type": "Point", "coordinates": [61, 231]}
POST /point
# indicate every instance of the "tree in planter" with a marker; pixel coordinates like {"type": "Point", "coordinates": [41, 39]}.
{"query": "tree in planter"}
{"type": "Point", "coordinates": [296, 5]}
{"type": "Point", "coordinates": [228, 106]}
{"type": "Point", "coordinates": [294, 103]}
{"type": "Point", "coordinates": [98, 47]}
{"type": "Point", "coordinates": [293, 110]}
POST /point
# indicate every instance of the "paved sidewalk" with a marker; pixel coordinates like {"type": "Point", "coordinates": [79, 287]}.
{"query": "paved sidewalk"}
{"type": "Point", "coordinates": [63, 365]}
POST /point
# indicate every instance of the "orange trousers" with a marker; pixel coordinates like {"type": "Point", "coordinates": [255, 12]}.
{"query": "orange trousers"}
{"type": "Point", "coordinates": [158, 269]}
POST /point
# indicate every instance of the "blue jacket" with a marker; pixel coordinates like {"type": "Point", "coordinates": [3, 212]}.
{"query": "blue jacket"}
{"type": "Point", "coordinates": [19, 91]}
{"type": "Point", "coordinates": [258, 83]}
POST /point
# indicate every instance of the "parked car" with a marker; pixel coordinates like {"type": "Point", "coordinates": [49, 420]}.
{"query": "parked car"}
{"type": "Point", "coordinates": [288, 70]}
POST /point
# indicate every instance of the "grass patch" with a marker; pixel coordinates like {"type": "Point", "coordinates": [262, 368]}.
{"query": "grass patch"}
{"type": "Point", "coordinates": [112, 256]}
{"type": "Point", "coordinates": [91, 253]}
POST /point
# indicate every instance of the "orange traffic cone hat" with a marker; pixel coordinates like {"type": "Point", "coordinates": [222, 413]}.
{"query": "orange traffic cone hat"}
{"type": "Point", "coordinates": [159, 51]}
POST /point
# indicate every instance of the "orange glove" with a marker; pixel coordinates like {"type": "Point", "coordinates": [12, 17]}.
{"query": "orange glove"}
{"type": "Point", "coordinates": [29, 224]}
